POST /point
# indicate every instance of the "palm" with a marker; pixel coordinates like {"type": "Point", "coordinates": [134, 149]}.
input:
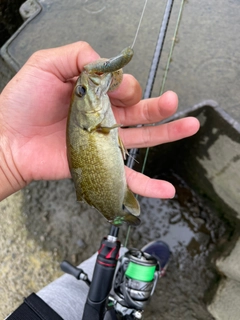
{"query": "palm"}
{"type": "Point", "coordinates": [39, 134]}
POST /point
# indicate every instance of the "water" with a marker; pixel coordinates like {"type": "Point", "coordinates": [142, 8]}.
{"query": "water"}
{"type": "Point", "coordinates": [195, 235]}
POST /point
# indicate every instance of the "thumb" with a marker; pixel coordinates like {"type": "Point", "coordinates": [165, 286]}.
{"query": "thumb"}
{"type": "Point", "coordinates": [64, 62]}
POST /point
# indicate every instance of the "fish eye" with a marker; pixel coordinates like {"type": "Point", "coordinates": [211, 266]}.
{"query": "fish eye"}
{"type": "Point", "coordinates": [80, 91]}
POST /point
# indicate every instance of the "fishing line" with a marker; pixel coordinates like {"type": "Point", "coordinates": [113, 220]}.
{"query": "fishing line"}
{"type": "Point", "coordinates": [152, 75]}
{"type": "Point", "coordinates": [171, 49]}
{"type": "Point", "coordinates": [166, 69]}
{"type": "Point", "coordinates": [154, 66]}
{"type": "Point", "coordinates": [139, 24]}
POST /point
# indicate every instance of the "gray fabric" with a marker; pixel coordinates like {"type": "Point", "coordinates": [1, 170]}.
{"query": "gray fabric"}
{"type": "Point", "coordinates": [67, 295]}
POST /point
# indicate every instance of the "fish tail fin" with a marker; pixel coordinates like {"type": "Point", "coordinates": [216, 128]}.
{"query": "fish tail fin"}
{"type": "Point", "coordinates": [132, 220]}
{"type": "Point", "coordinates": [131, 203]}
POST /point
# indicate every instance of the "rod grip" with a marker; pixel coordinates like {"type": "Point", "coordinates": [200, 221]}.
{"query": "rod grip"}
{"type": "Point", "coordinates": [102, 280]}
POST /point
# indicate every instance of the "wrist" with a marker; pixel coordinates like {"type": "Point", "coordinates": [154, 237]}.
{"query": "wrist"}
{"type": "Point", "coordinates": [11, 180]}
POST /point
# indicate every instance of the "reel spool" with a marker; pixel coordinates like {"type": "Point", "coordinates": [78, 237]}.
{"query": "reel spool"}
{"type": "Point", "coordinates": [135, 280]}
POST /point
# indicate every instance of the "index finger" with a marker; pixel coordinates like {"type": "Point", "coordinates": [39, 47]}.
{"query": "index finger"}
{"type": "Point", "coordinates": [128, 93]}
{"type": "Point", "coordinates": [148, 110]}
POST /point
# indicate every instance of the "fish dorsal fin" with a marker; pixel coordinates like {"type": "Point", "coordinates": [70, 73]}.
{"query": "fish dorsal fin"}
{"type": "Point", "coordinates": [131, 203]}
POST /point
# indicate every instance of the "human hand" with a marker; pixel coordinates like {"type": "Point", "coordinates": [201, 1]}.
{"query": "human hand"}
{"type": "Point", "coordinates": [33, 113]}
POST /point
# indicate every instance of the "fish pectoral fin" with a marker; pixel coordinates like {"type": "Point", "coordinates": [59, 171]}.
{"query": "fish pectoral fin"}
{"type": "Point", "coordinates": [106, 130]}
{"type": "Point", "coordinates": [131, 203]}
{"type": "Point", "coordinates": [122, 148]}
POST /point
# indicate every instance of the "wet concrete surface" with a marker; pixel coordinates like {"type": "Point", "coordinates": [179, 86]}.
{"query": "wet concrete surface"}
{"type": "Point", "coordinates": [24, 265]}
{"type": "Point", "coordinates": [65, 229]}
{"type": "Point", "coordinates": [5, 74]}
{"type": "Point", "coordinates": [71, 229]}
{"type": "Point", "coordinates": [196, 236]}
{"type": "Point", "coordinates": [226, 303]}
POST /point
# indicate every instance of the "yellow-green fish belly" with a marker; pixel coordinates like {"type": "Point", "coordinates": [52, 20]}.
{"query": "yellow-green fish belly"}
{"type": "Point", "coordinates": [98, 172]}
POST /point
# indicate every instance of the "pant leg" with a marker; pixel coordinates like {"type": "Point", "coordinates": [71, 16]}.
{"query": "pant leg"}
{"type": "Point", "coordinates": [67, 295]}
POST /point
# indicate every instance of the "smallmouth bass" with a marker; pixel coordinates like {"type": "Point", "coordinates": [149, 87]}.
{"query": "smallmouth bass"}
{"type": "Point", "coordinates": [94, 149]}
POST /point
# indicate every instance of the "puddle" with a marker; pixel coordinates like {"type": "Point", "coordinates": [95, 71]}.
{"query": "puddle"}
{"type": "Point", "coordinates": [195, 235]}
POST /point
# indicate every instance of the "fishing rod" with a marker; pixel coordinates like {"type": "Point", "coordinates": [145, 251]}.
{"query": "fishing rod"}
{"type": "Point", "coordinates": [154, 67]}
{"type": "Point", "coordinates": [152, 75]}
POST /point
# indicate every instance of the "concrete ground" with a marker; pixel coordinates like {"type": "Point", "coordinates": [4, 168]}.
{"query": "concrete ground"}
{"type": "Point", "coordinates": [226, 303]}
{"type": "Point", "coordinates": [25, 267]}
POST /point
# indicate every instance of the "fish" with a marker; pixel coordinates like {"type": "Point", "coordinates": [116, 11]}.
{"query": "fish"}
{"type": "Point", "coordinates": [94, 149]}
